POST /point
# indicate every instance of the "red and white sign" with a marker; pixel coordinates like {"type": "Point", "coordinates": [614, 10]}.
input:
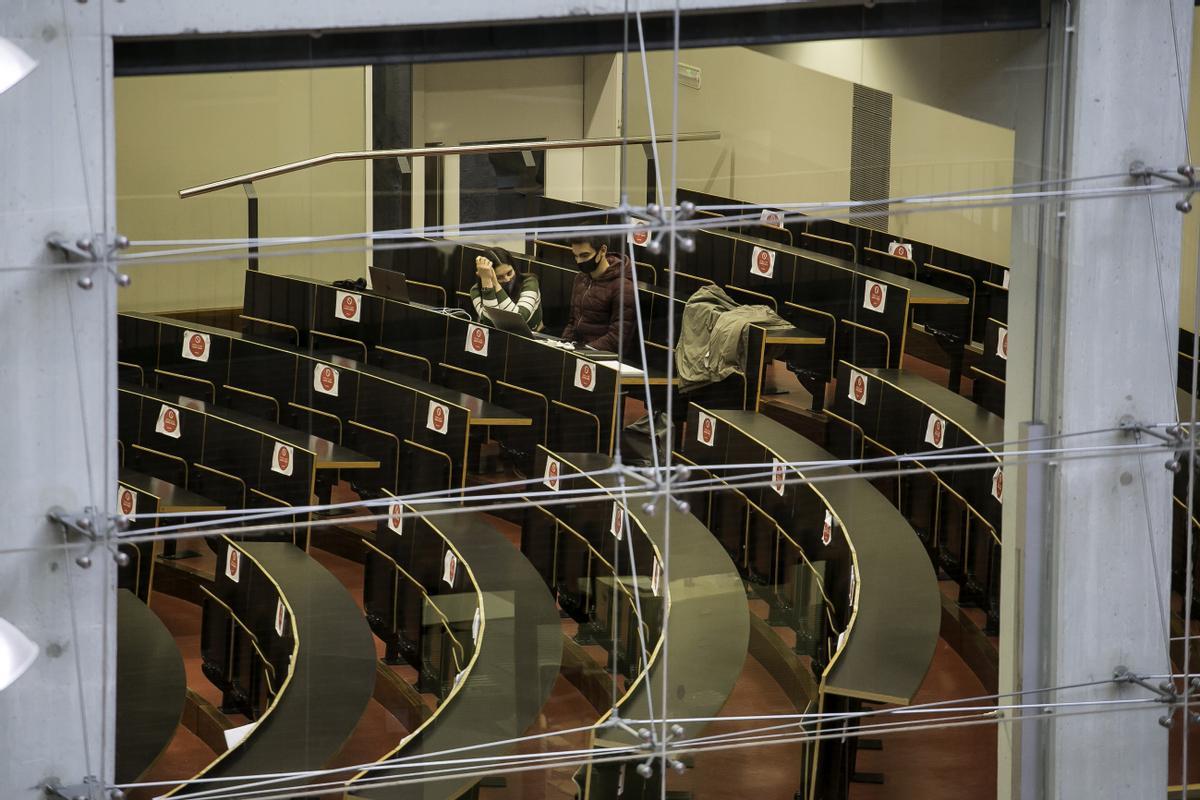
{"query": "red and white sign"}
{"type": "Point", "coordinates": [827, 529]}
{"type": "Point", "coordinates": [778, 476]}
{"type": "Point", "coordinates": [553, 468]}
{"type": "Point", "coordinates": [900, 249]}
{"type": "Point", "coordinates": [585, 375]}
{"type": "Point", "coordinates": [477, 340]}
{"type": "Point", "coordinates": [439, 418]}
{"type": "Point", "coordinates": [395, 521]}
{"type": "Point", "coordinates": [233, 564]}
{"type": "Point", "coordinates": [771, 217]}
{"type": "Point", "coordinates": [639, 236]}
{"type": "Point", "coordinates": [762, 262]}
{"type": "Point", "coordinates": [706, 429]}
{"type": "Point", "coordinates": [325, 379]}
{"type": "Point", "coordinates": [998, 484]}
{"type": "Point", "coordinates": [1004, 278]}
{"type": "Point", "coordinates": [617, 526]}
{"type": "Point", "coordinates": [935, 431]}
{"type": "Point", "coordinates": [280, 616]}
{"type": "Point", "coordinates": [475, 627]}
{"type": "Point", "coordinates": [858, 387]}
{"type": "Point", "coordinates": [449, 567]}
{"type": "Point", "coordinates": [168, 421]}
{"type": "Point", "coordinates": [875, 297]}
{"type": "Point", "coordinates": [195, 345]}
{"type": "Point", "coordinates": [126, 501]}
{"type": "Point", "coordinates": [282, 458]}
{"type": "Point", "coordinates": [655, 576]}
{"type": "Point", "coordinates": [348, 306]}
{"type": "Point", "coordinates": [1002, 343]}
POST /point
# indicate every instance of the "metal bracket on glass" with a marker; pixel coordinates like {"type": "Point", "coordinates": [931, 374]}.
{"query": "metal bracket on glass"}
{"type": "Point", "coordinates": [87, 251]}
{"type": "Point", "coordinates": [1164, 692]}
{"type": "Point", "coordinates": [1184, 176]}
{"type": "Point", "coordinates": [90, 789]}
{"type": "Point", "coordinates": [92, 526]}
{"type": "Point", "coordinates": [1176, 436]}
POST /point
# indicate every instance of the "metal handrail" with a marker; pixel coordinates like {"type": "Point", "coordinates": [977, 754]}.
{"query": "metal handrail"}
{"type": "Point", "coordinates": [449, 150]}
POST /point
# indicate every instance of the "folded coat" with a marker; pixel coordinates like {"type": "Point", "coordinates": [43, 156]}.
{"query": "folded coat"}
{"type": "Point", "coordinates": [712, 343]}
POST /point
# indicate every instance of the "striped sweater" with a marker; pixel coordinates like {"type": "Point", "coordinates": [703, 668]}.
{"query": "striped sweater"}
{"type": "Point", "coordinates": [528, 304]}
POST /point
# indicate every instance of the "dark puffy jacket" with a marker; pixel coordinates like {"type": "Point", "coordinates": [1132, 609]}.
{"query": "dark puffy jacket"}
{"type": "Point", "coordinates": [595, 303]}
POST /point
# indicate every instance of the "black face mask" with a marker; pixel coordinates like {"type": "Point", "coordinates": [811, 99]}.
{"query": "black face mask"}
{"type": "Point", "coordinates": [589, 266]}
{"type": "Point", "coordinates": [506, 286]}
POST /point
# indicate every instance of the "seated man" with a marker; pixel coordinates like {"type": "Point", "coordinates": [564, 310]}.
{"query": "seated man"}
{"type": "Point", "coordinates": [602, 288]}
{"type": "Point", "coordinates": [499, 285]}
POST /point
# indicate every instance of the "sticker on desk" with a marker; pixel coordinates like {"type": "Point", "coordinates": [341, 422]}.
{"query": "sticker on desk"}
{"type": "Point", "coordinates": [853, 582]}
{"type": "Point", "coordinates": [770, 216]}
{"type": "Point", "coordinates": [1004, 278]}
{"type": "Point", "coordinates": [280, 615]}
{"type": "Point", "coordinates": [1002, 343]}
{"type": "Point", "coordinates": [233, 564]}
{"type": "Point", "coordinates": [617, 525]}
{"type": "Point", "coordinates": [348, 306]}
{"type": "Point", "coordinates": [195, 345]}
{"type": "Point", "coordinates": [477, 340]}
{"type": "Point", "coordinates": [858, 387]}
{"type": "Point", "coordinates": [126, 501]}
{"type": "Point", "coordinates": [550, 478]}
{"type": "Point", "coordinates": [998, 484]}
{"type": "Point", "coordinates": [874, 296]}
{"type": "Point", "coordinates": [621, 781]}
{"type": "Point", "coordinates": [395, 520]}
{"type": "Point", "coordinates": [778, 476]}
{"type": "Point", "coordinates": [706, 428]}
{"type": "Point", "coordinates": [762, 262]}
{"type": "Point", "coordinates": [168, 422]}
{"type": "Point", "coordinates": [827, 528]}
{"type": "Point", "coordinates": [475, 627]}
{"type": "Point", "coordinates": [935, 431]}
{"type": "Point", "coordinates": [639, 235]}
{"type": "Point", "coordinates": [281, 459]}
{"type": "Point", "coordinates": [439, 418]}
{"type": "Point", "coordinates": [449, 567]}
{"type": "Point", "coordinates": [325, 379]}
{"type": "Point", "coordinates": [585, 375]}
{"type": "Point", "coordinates": [458, 678]}
{"type": "Point", "coordinates": [900, 249]}
{"type": "Point", "coordinates": [656, 576]}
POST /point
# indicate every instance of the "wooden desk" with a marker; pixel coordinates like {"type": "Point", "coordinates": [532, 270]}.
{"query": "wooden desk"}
{"type": "Point", "coordinates": [482, 411]}
{"type": "Point", "coordinates": [329, 455]}
{"type": "Point", "coordinates": [919, 294]}
{"type": "Point", "coordinates": [981, 425]}
{"type": "Point", "coordinates": [171, 498]}
{"type": "Point", "coordinates": [332, 673]}
{"type": "Point", "coordinates": [151, 687]}
{"type": "Point", "coordinates": [508, 680]}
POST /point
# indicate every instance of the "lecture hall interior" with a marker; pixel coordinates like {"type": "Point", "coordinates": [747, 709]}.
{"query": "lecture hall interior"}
{"type": "Point", "coordinates": [608, 400]}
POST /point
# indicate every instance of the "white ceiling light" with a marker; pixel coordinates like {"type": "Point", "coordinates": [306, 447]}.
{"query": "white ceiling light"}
{"type": "Point", "coordinates": [15, 64]}
{"type": "Point", "coordinates": [17, 653]}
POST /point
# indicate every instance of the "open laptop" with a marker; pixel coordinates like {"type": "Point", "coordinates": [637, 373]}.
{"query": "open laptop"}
{"type": "Point", "coordinates": [389, 283]}
{"type": "Point", "coordinates": [512, 322]}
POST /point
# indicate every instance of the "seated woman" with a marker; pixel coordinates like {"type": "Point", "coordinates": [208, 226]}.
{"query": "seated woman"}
{"type": "Point", "coordinates": [499, 285]}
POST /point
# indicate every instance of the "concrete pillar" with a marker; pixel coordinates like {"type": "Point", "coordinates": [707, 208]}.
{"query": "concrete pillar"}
{"type": "Point", "coordinates": [1108, 354]}
{"type": "Point", "coordinates": [57, 422]}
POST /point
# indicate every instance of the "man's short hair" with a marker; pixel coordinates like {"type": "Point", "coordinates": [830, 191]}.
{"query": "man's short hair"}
{"type": "Point", "coordinates": [592, 240]}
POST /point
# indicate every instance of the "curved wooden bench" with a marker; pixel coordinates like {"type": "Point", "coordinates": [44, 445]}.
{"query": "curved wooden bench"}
{"type": "Point", "coordinates": [330, 676]}
{"type": "Point", "coordinates": [708, 632]}
{"type": "Point", "coordinates": [888, 642]}
{"type": "Point", "coordinates": [151, 687]}
{"type": "Point", "coordinates": [507, 680]}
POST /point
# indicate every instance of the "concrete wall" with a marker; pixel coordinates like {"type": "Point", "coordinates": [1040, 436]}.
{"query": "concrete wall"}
{"type": "Point", "coordinates": [177, 131]}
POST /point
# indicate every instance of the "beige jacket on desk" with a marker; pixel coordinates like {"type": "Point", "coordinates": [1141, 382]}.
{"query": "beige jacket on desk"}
{"type": "Point", "coordinates": [712, 344]}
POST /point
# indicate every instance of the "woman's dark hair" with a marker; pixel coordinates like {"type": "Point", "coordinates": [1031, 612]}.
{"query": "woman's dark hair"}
{"type": "Point", "coordinates": [498, 256]}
